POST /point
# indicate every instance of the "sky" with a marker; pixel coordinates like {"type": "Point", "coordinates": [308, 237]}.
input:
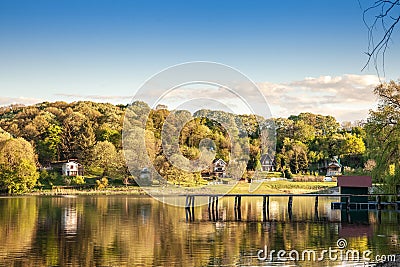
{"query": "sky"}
{"type": "Point", "coordinates": [305, 56]}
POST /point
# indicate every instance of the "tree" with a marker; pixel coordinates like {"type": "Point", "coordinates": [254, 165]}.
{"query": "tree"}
{"type": "Point", "coordinates": [296, 155]}
{"type": "Point", "coordinates": [18, 172]}
{"type": "Point", "coordinates": [380, 18]}
{"type": "Point", "coordinates": [49, 148]}
{"type": "Point", "coordinates": [105, 157]}
{"type": "Point", "coordinates": [106, 133]}
{"type": "Point", "coordinates": [78, 136]}
{"type": "Point", "coordinates": [383, 135]}
{"type": "Point", "coordinates": [352, 144]}
{"type": "Point", "coordinates": [303, 132]}
{"type": "Point", "coordinates": [138, 149]}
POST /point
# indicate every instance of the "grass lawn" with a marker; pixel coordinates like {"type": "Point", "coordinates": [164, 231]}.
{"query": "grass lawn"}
{"type": "Point", "coordinates": [265, 187]}
{"type": "Point", "coordinates": [280, 187]}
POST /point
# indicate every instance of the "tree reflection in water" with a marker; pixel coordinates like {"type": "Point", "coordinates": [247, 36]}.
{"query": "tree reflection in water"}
{"type": "Point", "coordinates": [139, 231]}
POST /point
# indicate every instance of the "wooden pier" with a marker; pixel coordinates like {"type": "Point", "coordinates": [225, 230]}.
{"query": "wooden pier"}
{"type": "Point", "coordinates": [347, 205]}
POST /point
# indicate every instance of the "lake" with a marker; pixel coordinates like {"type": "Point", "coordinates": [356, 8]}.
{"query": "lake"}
{"type": "Point", "coordinates": [140, 231]}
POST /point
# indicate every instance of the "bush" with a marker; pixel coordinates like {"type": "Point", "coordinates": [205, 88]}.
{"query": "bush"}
{"type": "Point", "coordinates": [78, 180]}
{"type": "Point", "coordinates": [67, 180]}
{"type": "Point", "coordinates": [288, 174]}
{"type": "Point", "coordinates": [102, 183]}
{"type": "Point", "coordinates": [49, 178]}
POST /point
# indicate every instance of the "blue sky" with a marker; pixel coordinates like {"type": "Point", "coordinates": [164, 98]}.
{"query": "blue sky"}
{"type": "Point", "coordinates": [104, 50]}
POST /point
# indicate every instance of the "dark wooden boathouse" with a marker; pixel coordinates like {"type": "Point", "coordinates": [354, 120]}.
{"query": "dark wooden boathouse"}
{"type": "Point", "coordinates": [354, 185]}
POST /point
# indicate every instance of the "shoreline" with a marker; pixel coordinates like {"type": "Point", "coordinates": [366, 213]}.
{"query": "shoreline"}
{"type": "Point", "coordinates": [240, 188]}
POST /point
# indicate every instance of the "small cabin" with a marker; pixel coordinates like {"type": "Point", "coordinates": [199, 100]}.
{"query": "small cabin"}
{"type": "Point", "coordinates": [334, 168]}
{"type": "Point", "coordinates": [72, 168]}
{"type": "Point", "coordinates": [330, 167]}
{"type": "Point", "coordinates": [355, 185]}
{"type": "Point", "coordinates": [219, 168]}
{"type": "Point", "coordinates": [267, 163]}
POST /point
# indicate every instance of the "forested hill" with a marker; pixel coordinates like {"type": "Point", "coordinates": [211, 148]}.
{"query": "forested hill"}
{"type": "Point", "coordinates": [61, 130]}
{"type": "Point", "coordinates": [34, 136]}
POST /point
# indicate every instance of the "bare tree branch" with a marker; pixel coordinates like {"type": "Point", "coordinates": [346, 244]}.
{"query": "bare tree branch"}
{"type": "Point", "coordinates": [380, 19]}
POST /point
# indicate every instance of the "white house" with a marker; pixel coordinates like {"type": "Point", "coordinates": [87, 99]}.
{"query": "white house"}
{"type": "Point", "coordinates": [267, 163]}
{"type": "Point", "coordinates": [72, 168]}
{"type": "Point", "coordinates": [219, 167]}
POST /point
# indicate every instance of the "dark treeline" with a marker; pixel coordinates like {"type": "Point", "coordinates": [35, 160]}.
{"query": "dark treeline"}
{"type": "Point", "coordinates": [34, 136]}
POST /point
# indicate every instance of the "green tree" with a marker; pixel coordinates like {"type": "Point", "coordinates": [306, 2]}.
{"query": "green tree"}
{"type": "Point", "coordinates": [352, 144]}
{"type": "Point", "coordinates": [383, 135]}
{"type": "Point", "coordinates": [105, 157]}
{"type": "Point", "coordinates": [18, 172]}
{"type": "Point", "coordinates": [106, 133]}
{"type": "Point", "coordinates": [303, 132]}
{"type": "Point", "coordinates": [78, 136]}
{"type": "Point", "coordinates": [49, 148]}
{"type": "Point", "coordinates": [296, 153]}
{"type": "Point", "coordinates": [139, 149]}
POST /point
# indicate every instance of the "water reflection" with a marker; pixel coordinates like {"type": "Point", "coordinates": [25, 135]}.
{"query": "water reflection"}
{"type": "Point", "coordinates": [69, 221]}
{"type": "Point", "coordinates": [138, 231]}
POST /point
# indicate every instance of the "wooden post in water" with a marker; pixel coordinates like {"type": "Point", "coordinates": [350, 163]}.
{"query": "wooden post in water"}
{"type": "Point", "coordinates": [211, 204]}
{"type": "Point", "coordinates": [216, 208]}
{"type": "Point", "coordinates": [240, 208]}
{"type": "Point", "coordinates": [209, 208]}
{"type": "Point", "coordinates": [235, 207]}
{"type": "Point", "coordinates": [192, 208]}
{"type": "Point", "coordinates": [379, 206]}
{"type": "Point", "coordinates": [290, 202]}
{"type": "Point", "coordinates": [187, 201]}
{"type": "Point", "coordinates": [238, 211]}
{"type": "Point", "coordinates": [264, 208]}
{"type": "Point", "coordinates": [213, 208]}
{"type": "Point", "coordinates": [379, 216]}
{"type": "Point", "coordinates": [316, 208]}
{"type": "Point", "coordinates": [290, 205]}
{"type": "Point", "coordinates": [187, 208]}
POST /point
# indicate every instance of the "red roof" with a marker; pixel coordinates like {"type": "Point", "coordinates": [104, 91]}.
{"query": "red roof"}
{"type": "Point", "coordinates": [354, 181]}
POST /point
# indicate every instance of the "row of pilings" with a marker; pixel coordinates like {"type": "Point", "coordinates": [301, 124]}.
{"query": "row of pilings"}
{"type": "Point", "coordinates": [346, 205]}
{"type": "Point", "coordinates": [213, 213]}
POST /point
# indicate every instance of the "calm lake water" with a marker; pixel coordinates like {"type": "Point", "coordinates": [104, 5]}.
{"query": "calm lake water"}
{"type": "Point", "coordinates": [140, 231]}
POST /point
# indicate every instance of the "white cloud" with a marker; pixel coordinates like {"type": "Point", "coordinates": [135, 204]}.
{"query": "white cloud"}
{"type": "Point", "coordinates": [5, 101]}
{"type": "Point", "coordinates": [346, 97]}
{"type": "Point", "coordinates": [97, 97]}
